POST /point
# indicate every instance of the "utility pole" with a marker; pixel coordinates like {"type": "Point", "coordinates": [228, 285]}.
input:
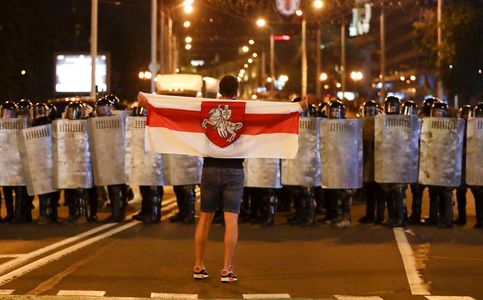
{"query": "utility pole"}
{"type": "Point", "coordinates": [383, 53]}
{"type": "Point", "coordinates": [272, 61]}
{"type": "Point", "coordinates": [440, 88]}
{"type": "Point", "coordinates": [304, 56]}
{"type": "Point", "coordinates": [153, 66]}
{"type": "Point", "coordinates": [94, 13]}
{"type": "Point", "coordinates": [170, 44]}
{"type": "Point", "coordinates": [263, 79]}
{"type": "Point", "coordinates": [343, 58]}
{"type": "Point", "coordinates": [161, 51]}
{"type": "Point", "coordinates": [319, 61]}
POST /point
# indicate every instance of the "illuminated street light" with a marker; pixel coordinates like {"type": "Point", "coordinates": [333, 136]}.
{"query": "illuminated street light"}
{"type": "Point", "coordinates": [23, 72]}
{"type": "Point", "coordinates": [255, 55]}
{"type": "Point", "coordinates": [254, 97]}
{"type": "Point", "coordinates": [251, 42]}
{"type": "Point", "coordinates": [245, 66]}
{"type": "Point", "coordinates": [250, 60]}
{"type": "Point", "coordinates": [323, 76]}
{"type": "Point", "coordinates": [413, 77]}
{"type": "Point", "coordinates": [299, 12]}
{"type": "Point", "coordinates": [269, 79]}
{"type": "Point", "coordinates": [261, 22]}
{"type": "Point", "coordinates": [318, 4]}
{"type": "Point", "coordinates": [188, 46]}
{"type": "Point", "coordinates": [245, 49]}
{"type": "Point", "coordinates": [148, 75]}
{"type": "Point", "coordinates": [141, 75]}
{"type": "Point", "coordinates": [188, 9]}
{"type": "Point", "coordinates": [338, 85]}
{"type": "Point", "coordinates": [356, 75]}
{"type": "Point", "coordinates": [402, 78]}
{"type": "Point", "coordinates": [186, 24]}
{"type": "Point", "coordinates": [188, 39]}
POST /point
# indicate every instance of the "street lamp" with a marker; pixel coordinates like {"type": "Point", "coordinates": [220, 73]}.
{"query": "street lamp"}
{"type": "Point", "coordinates": [188, 39]}
{"type": "Point", "coordinates": [262, 23]}
{"type": "Point", "coordinates": [318, 4]}
{"type": "Point", "coordinates": [186, 24]}
{"type": "Point", "coordinates": [323, 76]}
{"type": "Point", "coordinates": [251, 42]}
{"type": "Point", "coordinates": [245, 49]}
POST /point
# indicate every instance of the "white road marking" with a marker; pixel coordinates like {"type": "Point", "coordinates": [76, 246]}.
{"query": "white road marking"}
{"type": "Point", "coordinates": [266, 296]}
{"type": "Point", "coordinates": [174, 296]}
{"type": "Point", "coordinates": [416, 283]}
{"type": "Point", "coordinates": [6, 292]}
{"type": "Point", "coordinates": [4, 279]}
{"type": "Point", "coordinates": [449, 298]}
{"type": "Point", "coordinates": [12, 264]}
{"type": "Point", "coordinates": [347, 297]}
{"type": "Point", "coordinates": [11, 255]}
{"type": "Point", "coordinates": [81, 293]}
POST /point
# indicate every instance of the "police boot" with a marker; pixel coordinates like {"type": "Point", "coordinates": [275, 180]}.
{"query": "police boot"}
{"type": "Point", "coordinates": [8, 196]}
{"type": "Point", "coordinates": [284, 199]}
{"type": "Point", "coordinates": [310, 208]}
{"type": "Point", "coordinates": [154, 215]}
{"type": "Point", "coordinates": [270, 207]}
{"type": "Point", "coordinates": [244, 216]}
{"type": "Point", "coordinates": [300, 206]}
{"type": "Point", "coordinates": [319, 199]}
{"type": "Point", "coordinates": [81, 199]}
{"type": "Point", "coordinates": [461, 200]}
{"type": "Point", "coordinates": [391, 208]}
{"type": "Point", "coordinates": [92, 193]}
{"type": "Point", "coordinates": [180, 200]}
{"type": "Point", "coordinates": [21, 205]}
{"type": "Point", "coordinates": [446, 215]}
{"type": "Point", "coordinates": [189, 216]}
{"type": "Point", "coordinates": [398, 211]}
{"type": "Point", "coordinates": [69, 198]}
{"type": "Point", "coordinates": [380, 209]}
{"type": "Point", "coordinates": [433, 207]}
{"type": "Point", "coordinates": [54, 205]}
{"type": "Point", "coordinates": [145, 203]}
{"type": "Point", "coordinates": [415, 217]}
{"type": "Point", "coordinates": [345, 220]}
{"type": "Point", "coordinates": [45, 209]}
{"type": "Point", "coordinates": [370, 208]}
{"type": "Point", "coordinates": [117, 204]}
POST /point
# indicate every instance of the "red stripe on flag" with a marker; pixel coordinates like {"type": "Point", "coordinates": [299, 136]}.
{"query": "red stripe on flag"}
{"type": "Point", "coordinates": [190, 121]}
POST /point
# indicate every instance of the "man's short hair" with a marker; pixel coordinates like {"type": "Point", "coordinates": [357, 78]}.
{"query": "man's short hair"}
{"type": "Point", "coordinates": [229, 86]}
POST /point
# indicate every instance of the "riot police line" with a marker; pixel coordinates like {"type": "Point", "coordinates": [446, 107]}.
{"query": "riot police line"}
{"type": "Point", "coordinates": [381, 153]}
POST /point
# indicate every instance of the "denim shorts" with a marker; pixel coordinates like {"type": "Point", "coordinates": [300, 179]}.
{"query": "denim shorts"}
{"type": "Point", "coordinates": [223, 185]}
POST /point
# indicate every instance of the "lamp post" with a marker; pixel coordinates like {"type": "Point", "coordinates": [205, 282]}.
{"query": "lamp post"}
{"type": "Point", "coordinates": [94, 10]}
{"type": "Point", "coordinates": [262, 23]}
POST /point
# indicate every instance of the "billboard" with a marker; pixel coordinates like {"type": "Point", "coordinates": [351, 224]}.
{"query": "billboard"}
{"type": "Point", "coordinates": [73, 73]}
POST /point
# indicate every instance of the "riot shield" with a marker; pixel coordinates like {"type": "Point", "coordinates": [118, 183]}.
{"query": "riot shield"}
{"type": "Point", "coordinates": [70, 151]}
{"type": "Point", "coordinates": [36, 151]}
{"type": "Point", "coordinates": [182, 169]}
{"type": "Point", "coordinates": [304, 169]}
{"type": "Point", "coordinates": [368, 148]}
{"type": "Point", "coordinates": [474, 152]}
{"type": "Point", "coordinates": [396, 149]}
{"type": "Point", "coordinates": [341, 153]}
{"type": "Point", "coordinates": [441, 151]}
{"type": "Point", "coordinates": [11, 172]}
{"type": "Point", "coordinates": [106, 141]}
{"type": "Point", "coordinates": [262, 173]}
{"type": "Point", "coordinates": [141, 167]}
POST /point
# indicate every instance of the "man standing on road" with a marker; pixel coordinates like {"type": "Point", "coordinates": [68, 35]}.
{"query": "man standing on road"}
{"type": "Point", "coordinates": [222, 180]}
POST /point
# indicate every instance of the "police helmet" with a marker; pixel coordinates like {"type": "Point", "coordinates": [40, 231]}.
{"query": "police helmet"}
{"type": "Point", "coordinates": [465, 112]}
{"type": "Point", "coordinates": [104, 107]}
{"type": "Point", "coordinates": [312, 110]}
{"type": "Point", "coordinates": [427, 105]}
{"type": "Point", "coordinates": [409, 107]}
{"type": "Point", "coordinates": [139, 111]}
{"type": "Point", "coordinates": [73, 111]}
{"type": "Point", "coordinates": [9, 110]}
{"type": "Point", "coordinates": [322, 109]}
{"type": "Point", "coordinates": [369, 108]}
{"type": "Point", "coordinates": [439, 109]}
{"type": "Point", "coordinates": [40, 110]}
{"type": "Point", "coordinates": [116, 103]}
{"type": "Point", "coordinates": [392, 105]}
{"type": "Point", "coordinates": [336, 110]}
{"type": "Point", "coordinates": [478, 110]}
{"type": "Point", "coordinates": [25, 108]}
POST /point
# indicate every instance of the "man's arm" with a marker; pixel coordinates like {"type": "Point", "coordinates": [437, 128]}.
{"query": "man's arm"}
{"type": "Point", "coordinates": [142, 101]}
{"type": "Point", "coordinates": [304, 103]}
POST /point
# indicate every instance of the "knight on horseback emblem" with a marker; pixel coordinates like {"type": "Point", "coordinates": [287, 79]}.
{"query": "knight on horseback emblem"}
{"type": "Point", "coordinates": [220, 119]}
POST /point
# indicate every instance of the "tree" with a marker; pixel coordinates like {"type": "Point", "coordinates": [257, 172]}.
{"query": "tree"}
{"type": "Point", "coordinates": [462, 27]}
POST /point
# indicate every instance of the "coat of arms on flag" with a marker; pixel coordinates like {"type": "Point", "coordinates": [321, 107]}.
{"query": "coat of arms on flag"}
{"type": "Point", "coordinates": [222, 122]}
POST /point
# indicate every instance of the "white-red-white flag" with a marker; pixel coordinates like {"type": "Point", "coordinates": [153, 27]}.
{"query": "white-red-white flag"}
{"type": "Point", "coordinates": [222, 128]}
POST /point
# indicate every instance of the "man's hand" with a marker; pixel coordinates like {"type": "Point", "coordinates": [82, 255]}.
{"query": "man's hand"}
{"type": "Point", "coordinates": [304, 103]}
{"type": "Point", "coordinates": [142, 101]}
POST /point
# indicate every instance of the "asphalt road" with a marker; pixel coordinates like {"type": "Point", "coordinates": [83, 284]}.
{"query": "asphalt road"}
{"type": "Point", "coordinates": [135, 260]}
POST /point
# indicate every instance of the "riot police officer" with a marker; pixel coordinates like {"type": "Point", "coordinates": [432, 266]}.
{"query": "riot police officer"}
{"type": "Point", "coordinates": [417, 189]}
{"type": "Point", "coordinates": [443, 197]}
{"type": "Point", "coordinates": [464, 113]}
{"type": "Point", "coordinates": [117, 192]}
{"type": "Point", "coordinates": [393, 192]}
{"type": "Point", "coordinates": [48, 202]}
{"type": "Point", "coordinates": [478, 190]}
{"type": "Point", "coordinates": [8, 111]}
{"type": "Point", "coordinates": [375, 205]}
{"type": "Point", "coordinates": [339, 199]}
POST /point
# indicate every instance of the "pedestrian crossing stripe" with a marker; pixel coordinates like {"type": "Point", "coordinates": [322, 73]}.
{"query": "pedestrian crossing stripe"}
{"type": "Point", "coordinates": [174, 296]}
{"type": "Point", "coordinates": [266, 296]}
{"type": "Point", "coordinates": [81, 293]}
{"type": "Point", "coordinates": [347, 297]}
{"type": "Point", "coordinates": [449, 298]}
{"type": "Point", "coordinates": [6, 292]}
